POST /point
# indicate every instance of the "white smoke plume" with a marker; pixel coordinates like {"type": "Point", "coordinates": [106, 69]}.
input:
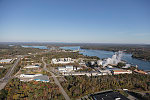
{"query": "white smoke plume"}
{"type": "Point", "coordinates": [116, 58]}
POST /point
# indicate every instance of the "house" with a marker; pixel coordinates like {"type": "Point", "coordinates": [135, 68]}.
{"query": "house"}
{"type": "Point", "coordinates": [43, 78]}
{"type": "Point", "coordinates": [116, 72]}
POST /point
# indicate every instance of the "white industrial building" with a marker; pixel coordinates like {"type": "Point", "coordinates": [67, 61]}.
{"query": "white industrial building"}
{"type": "Point", "coordinates": [99, 62]}
{"type": "Point", "coordinates": [30, 75]}
{"type": "Point", "coordinates": [1, 66]}
{"type": "Point", "coordinates": [105, 72]}
{"type": "Point", "coordinates": [43, 78]}
{"type": "Point", "coordinates": [109, 66]}
{"type": "Point", "coordinates": [68, 68]}
{"type": "Point", "coordinates": [3, 61]}
{"type": "Point", "coordinates": [92, 62]}
{"type": "Point", "coordinates": [62, 61]}
{"type": "Point", "coordinates": [82, 73]}
{"type": "Point", "coordinates": [32, 66]}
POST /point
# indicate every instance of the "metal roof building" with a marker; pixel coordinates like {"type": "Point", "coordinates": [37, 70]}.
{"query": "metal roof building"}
{"type": "Point", "coordinates": [43, 78]}
{"type": "Point", "coordinates": [5, 61]}
{"type": "Point", "coordinates": [110, 95]}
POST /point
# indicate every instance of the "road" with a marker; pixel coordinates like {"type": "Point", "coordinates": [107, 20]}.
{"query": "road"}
{"type": "Point", "coordinates": [56, 82]}
{"type": "Point", "coordinates": [5, 79]}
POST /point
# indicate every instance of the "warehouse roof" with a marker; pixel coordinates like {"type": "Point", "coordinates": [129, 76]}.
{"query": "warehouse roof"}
{"type": "Point", "coordinates": [43, 78]}
{"type": "Point", "coordinates": [6, 60]}
{"type": "Point", "coordinates": [110, 95]}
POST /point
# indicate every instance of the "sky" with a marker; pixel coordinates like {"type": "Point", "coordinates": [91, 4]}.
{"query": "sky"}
{"type": "Point", "coordinates": [75, 21]}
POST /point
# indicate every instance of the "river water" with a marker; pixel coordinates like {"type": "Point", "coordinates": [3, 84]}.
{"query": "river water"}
{"type": "Point", "coordinates": [145, 65]}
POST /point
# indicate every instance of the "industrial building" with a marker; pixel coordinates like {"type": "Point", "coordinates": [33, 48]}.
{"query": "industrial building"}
{"type": "Point", "coordinates": [34, 77]}
{"type": "Point", "coordinates": [109, 95]}
{"type": "Point", "coordinates": [116, 72]}
{"type": "Point", "coordinates": [30, 75]}
{"type": "Point", "coordinates": [32, 66]}
{"type": "Point", "coordinates": [99, 62]}
{"type": "Point", "coordinates": [94, 73]}
{"type": "Point", "coordinates": [105, 72]}
{"type": "Point", "coordinates": [62, 61]}
{"type": "Point", "coordinates": [1, 66]}
{"type": "Point", "coordinates": [67, 68]}
{"type": "Point", "coordinates": [43, 78]}
{"type": "Point", "coordinates": [6, 61]}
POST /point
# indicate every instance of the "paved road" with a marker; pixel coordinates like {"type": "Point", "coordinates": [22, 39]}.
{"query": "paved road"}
{"type": "Point", "coordinates": [56, 82]}
{"type": "Point", "coordinates": [4, 80]}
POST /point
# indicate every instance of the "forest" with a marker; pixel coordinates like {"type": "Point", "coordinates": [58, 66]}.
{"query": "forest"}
{"type": "Point", "coordinates": [32, 90]}
{"type": "Point", "coordinates": [7, 51]}
{"type": "Point", "coordinates": [78, 86]}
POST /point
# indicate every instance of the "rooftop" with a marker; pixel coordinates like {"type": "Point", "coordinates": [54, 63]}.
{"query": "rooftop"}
{"type": "Point", "coordinates": [120, 70]}
{"type": "Point", "coordinates": [32, 66]}
{"type": "Point", "coordinates": [140, 71]}
{"type": "Point", "coordinates": [42, 78]}
{"type": "Point", "coordinates": [6, 60]}
{"type": "Point", "coordinates": [110, 95]}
